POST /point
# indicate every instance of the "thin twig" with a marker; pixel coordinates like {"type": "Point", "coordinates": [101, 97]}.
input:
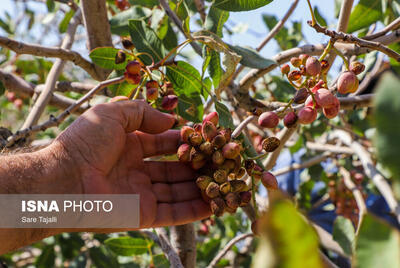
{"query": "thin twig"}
{"type": "Point", "coordinates": [343, 23]}
{"type": "Point", "coordinates": [53, 52]}
{"type": "Point", "coordinates": [348, 38]}
{"type": "Point", "coordinates": [200, 6]}
{"type": "Point", "coordinates": [356, 102]}
{"type": "Point", "coordinates": [335, 149]}
{"type": "Point", "coordinates": [171, 14]}
{"type": "Point", "coordinates": [67, 86]}
{"type": "Point", "coordinates": [228, 246]}
{"type": "Point", "coordinates": [55, 121]}
{"type": "Point", "coordinates": [168, 250]}
{"type": "Point", "coordinates": [279, 25]}
{"type": "Point", "coordinates": [391, 26]}
{"type": "Point", "coordinates": [55, 72]}
{"type": "Point", "coordinates": [311, 162]}
{"type": "Point", "coordinates": [242, 126]}
{"type": "Point", "coordinates": [16, 84]}
{"type": "Point", "coordinates": [347, 49]}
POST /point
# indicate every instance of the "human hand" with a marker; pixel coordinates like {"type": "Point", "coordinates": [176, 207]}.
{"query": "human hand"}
{"type": "Point", "coordinates": [103, 152]}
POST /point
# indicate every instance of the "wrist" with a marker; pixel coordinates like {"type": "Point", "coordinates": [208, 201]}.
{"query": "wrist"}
{"type": "Point", "coordinates": [61, 174]}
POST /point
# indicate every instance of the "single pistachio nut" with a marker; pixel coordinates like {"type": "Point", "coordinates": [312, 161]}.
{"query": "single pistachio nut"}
{"type": "Point", "coordinates": [203, 181]}
{"type": "Point", "coordinates": [220, 176]}
{"type": "Point", "coordinates": [212, 190]}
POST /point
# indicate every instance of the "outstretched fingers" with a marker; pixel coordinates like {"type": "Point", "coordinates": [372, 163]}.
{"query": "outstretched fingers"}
{"type": "Point", "coordinates": [176, 192]}
{"type": "Point", "coordinates": [138, 115]}
{"type": "Point", "coordinates": [159, 144]}
{"type": "Point", "coordinates": [168, 171]}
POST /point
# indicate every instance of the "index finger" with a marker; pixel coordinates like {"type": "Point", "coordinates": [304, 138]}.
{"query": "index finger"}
{"type": "Point", "coordinates": [137, 115]}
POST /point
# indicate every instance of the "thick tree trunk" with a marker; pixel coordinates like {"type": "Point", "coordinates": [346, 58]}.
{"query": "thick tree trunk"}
{"type": "Point", "coordinates": [97, 27]}
{"type": "Point", "coordinates": [183, 239]}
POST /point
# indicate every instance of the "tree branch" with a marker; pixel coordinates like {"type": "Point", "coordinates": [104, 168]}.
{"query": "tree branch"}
{"type": "Point", "coordinates": [355, 102]}
{"type": "Point", "coordinates": [54, 74]}
{"type": "Point", "coordinates": [67, 86]}
{"type": "Point", "coordinates": [285, 56]}
{"type": "Point", "coordinates": [311, 162]}
{"type": "Point", "coordinates": [171, 14]}
{"type": "Point", "coordinates": [392, 26]}
{"type": "Point", "coordinates": [55, 121]}
{"type": "Point", "coordinates": [343, 23]}
{"type": "Point", "coordinates": [242, 126]}
{"type": "Point", "coordinates": [279, 25]}
{"type": "Point", "coordinates": [16, 84]}
{"type": "Point", "coordinates": [346, 103]}
{"type": "Point", "coordinates": [166, 247]}
{"type": "Point", "coordinates": [52, 52]}
{"type": "Point", "coordinates": [348, 38]}
{"type": "Point", "coordinates": [228, 246]}
{"type": "Point", "coordinates": [97, 27]}
{"type": "Point", "coordinates": [200, 6]}
{"type": "Point", "coordinates": [183, 239]}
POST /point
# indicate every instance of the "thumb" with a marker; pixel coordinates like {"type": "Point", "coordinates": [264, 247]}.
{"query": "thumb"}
{"type": "Point", "coordinates": [138, 115]}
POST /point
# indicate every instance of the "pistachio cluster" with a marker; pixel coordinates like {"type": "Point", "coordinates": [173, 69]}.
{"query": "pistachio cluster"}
{"type": "Point", "coordinates": [343, 198]}
{"type": "Point", "coordinates": [209, 149]}
{"type": "Point", "coordinates": [162, 94]}
{"type": "Point", "coordinates": [309, 79]}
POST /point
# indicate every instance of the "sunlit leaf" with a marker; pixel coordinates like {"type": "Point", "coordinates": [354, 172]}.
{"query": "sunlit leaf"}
{"type": "Point", "coordinates": [378, 245]}
{"type": "Point", "coordinates": [62, 28]}
{"type": "Point", "coordinates": [185, 78]}
{"type": "Point", "coordinates": [215, 20]}
{"type": "Point", "coordinates": [251, 58]}
{"type": "Point", "coordinates": [127, 246]}
{"type": "Point", "coordinates": [365, 13]}
{"type": "Point", "coordinates": [50, 5]}
{"type": "Point", "coordinates": [320, 19]}
{"type": "Point", "coordinates": [215, 69]}
{"type": "Point", "coordinates": [105, 58]}
{"type": "Point", "coordinates": [146, 41]}
{"type": "Point", "coordinates": [240, 5]}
